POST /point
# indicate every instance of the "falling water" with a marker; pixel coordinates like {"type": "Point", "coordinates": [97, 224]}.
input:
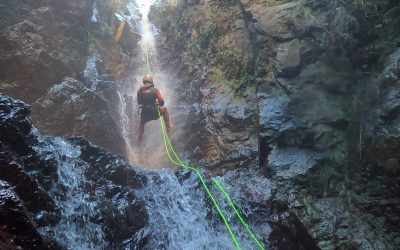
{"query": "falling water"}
{"type": "Point", "coordinates": [76, 229]}
{"type": "Point", "coordinates": [90, 72]}
{"type": "Point", "coordinates": [95, 12]}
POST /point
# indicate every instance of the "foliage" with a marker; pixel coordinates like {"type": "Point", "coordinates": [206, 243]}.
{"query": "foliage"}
{"type": "Point", "coordinates": [276, 2]}
{"type": "Point", "coordinates": [237, 85]}
{"type": "Point", "coordinates": [234, 69]}
{"type": "Point", "coordinates": [387, 31]}
{"type": "Point", "coordinates": [234, 63]}
{"type": "Point", "coordinates": [206, 34]}
{"type": "Point", "coordinates": [368, 7]}
{"type": "Point", "coordinates": [195, 49]}
{"type": "Point", "coordinates": [337, 33]}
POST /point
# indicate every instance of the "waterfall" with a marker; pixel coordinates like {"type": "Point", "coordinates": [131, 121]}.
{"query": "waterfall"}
{"type": "Point", "coordinates": [76, 228]}
{"type": "Point", "coordinates": [95, 12]}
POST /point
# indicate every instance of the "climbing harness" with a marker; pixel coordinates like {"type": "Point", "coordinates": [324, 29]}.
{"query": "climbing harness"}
{"type": "Point", "coordinates": [178, 162]}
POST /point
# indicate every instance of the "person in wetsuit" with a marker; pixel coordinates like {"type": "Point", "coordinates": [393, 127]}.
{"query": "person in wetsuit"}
{"type": "Point", "coordinates": [150, 99]}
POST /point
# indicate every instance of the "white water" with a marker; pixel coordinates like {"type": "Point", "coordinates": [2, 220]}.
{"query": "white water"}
{"type": "Point", "coordinates": [95, 12]}
{"type": "Point", "coordinates": [75, 230]}
{"type": "Point", "coordinates": [125, 123]}
{"type": "Point", "coordinates": [181, 215]}
{"type": "Point", "coordinates": [90, 72]}
{"type": "Point", "coordinates": [178, 218]}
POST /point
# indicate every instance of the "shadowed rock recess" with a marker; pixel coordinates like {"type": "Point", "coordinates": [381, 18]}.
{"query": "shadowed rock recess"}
{"type": "Point", "coordinates": [293, 105]}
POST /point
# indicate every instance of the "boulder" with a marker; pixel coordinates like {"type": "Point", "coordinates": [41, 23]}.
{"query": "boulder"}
{"type": "Point", "coordinates": [289, 58]}
{"type": "Point", "coordinates": [275, 20]}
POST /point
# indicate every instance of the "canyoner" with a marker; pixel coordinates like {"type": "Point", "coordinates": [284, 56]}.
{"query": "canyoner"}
{"type": "Point", "coordinates": [150, 101]}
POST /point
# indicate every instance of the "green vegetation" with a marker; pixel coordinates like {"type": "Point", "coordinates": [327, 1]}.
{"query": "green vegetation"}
{"type": "Point", "coordinates": [234, 69]}
{"type": "Point", "coordinates": [387, 32]}
{"type": "Point", "coordinates": [237, 85]}
{"type": "Point", "coordinates": [277, 2]}
{"type": "Point", "coordinates": [206, 35]}
{"type": "Point", "coordinates": [234, 63]}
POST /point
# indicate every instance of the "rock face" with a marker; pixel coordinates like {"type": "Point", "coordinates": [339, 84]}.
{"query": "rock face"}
{"type": "Point", "coordinates": [66, 110]}
{"type": "Point", "coordinates": [57, 193]}
{"type": "Point", "coordinates": [17, 229]}
{"type": "Point", "coordinates": [326, 109]}
{"type": "Point", "coordinates": [41, 43]}
{"type": "Point", "coordinates": [59, 48]}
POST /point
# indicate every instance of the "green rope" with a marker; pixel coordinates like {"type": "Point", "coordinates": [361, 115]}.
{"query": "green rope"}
{"type": "Point", "coordinates": [148, 60]}
{"type": "Point", "coordinates": [237, 213]}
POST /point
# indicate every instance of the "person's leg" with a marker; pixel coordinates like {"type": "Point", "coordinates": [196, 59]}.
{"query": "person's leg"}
{"type": "Point", "coordinates": [141, 132]}
{"type": "Point", "coordinates": [165, 115]}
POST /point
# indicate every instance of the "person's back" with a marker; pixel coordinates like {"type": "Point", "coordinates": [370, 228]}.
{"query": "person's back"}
{"type": "Point", "coordinates": [151, 101]}
{"type": "Point", "coordinates": [147, 95]}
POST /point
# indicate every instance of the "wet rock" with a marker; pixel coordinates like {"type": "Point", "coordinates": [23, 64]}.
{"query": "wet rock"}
{"type": "Point", "coordinates": [65, 110]}
{"type": "Point", "coordinates": [269, 218]}
{"type": "Point", "coordinates": [291, 234]}
{"type": "Point", "coordinates": [290, 162]}
{"type": "Point", "coordinates": [274, 119]}
{"type": "Point", "coordinates": [47, 41]}
{"type": "Point", "coordinates": [229, 129]}
{"type": "Point", "coordinates": [274, 21]}
{"type": "Point", "coordinates": [111, 167]}
{"type": "Point", "coordinates": [17, 230]}
{"type": "Point", "coordinates": [16, 141]}
{"type": "Point", "coordinates": [81, 181]}
{"type": "Point", "coordinates": [122, 222]}
{"type": "Point", "coordinates": [288, 57]}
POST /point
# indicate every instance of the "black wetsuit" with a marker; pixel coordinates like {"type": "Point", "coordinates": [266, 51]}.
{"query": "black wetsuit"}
{"type": "Point", "coordinates": [147, 96]}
